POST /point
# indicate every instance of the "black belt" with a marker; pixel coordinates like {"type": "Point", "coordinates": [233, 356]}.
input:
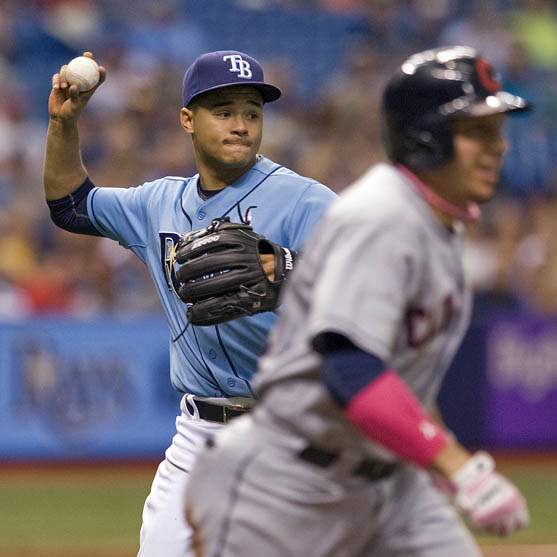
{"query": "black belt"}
{"type": "Point", "coordinates": [371, 470]}
{"type": "Point", "coordinates": [215, 412]}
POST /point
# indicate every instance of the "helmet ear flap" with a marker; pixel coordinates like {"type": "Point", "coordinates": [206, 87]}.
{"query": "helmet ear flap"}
{"type": "Point", "coordinates": [425, 148]}
{"type": "Point", "coordinates": [418, 149]}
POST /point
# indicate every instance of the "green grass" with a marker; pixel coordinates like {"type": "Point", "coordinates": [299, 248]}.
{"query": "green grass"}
{"type": "Point", "coordinates": [96, 512]}
{"type": "Point", "coordinates": [93, 514]}
{"type": "Point", "coordinates": [539, 486]}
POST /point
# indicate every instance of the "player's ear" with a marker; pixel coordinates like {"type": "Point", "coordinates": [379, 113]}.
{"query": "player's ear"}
{"type": "Point", "coordinates": [186, 119]}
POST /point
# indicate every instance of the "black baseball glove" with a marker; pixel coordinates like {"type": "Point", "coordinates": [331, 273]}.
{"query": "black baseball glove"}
{"type": "Point", "coordinates": [220, 272]}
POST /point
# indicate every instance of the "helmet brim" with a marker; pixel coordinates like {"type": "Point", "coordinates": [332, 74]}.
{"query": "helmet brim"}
{"type": "Point", "coordinates": [497, 103]}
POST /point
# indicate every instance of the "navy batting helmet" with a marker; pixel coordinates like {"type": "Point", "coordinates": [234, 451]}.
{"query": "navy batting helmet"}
{"type": "Point", "coordinates": [432, 88]}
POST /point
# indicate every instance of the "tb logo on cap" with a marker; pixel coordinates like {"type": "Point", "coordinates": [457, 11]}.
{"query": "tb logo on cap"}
{"type": "Point", "coordinates": [238, 65]}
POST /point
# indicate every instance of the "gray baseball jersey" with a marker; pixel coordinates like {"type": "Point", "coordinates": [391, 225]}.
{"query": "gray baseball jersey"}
{"type": "Point", "coordinates": [385, 273]}
{"type": "Point", "coordinates": [382, 271]}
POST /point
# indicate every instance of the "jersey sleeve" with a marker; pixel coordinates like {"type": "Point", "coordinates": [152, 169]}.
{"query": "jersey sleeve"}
{"type": "Point", "coordinates": [120, 214]}
{"type": "Point", "coordinates": [364, 284]}
{"type": "Point", "coordinates": [308, 211]}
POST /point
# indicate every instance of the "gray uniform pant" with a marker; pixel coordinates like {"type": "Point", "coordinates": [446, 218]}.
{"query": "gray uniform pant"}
{"type": "Point", "coordinates": [250, 497]}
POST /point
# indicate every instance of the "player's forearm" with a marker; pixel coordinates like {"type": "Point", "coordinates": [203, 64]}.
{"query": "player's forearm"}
{"type": "Point", "coordinates": [63, 170]}
{"type": "Point", "coordinates": [453, 455]}
{"type": "Point", "coordinates": [450, 458]}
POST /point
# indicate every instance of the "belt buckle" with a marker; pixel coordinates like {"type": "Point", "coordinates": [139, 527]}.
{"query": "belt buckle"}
{"type": "Point", "coordinates": [228, 412]}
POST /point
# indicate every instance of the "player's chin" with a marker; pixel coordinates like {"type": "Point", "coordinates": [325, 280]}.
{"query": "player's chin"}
{"type": "Point", "coordinates": [238, 158]}
{"type": "Point", "coordinates": [484, 190]}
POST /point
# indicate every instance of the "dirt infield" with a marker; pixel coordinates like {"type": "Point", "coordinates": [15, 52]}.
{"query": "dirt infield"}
{"type": "Point", "coordinates": [34, 553]}
{"type": "Point", "coordinates": [89, 469]}
{"type": "Point", "coordinates": [489, 551]}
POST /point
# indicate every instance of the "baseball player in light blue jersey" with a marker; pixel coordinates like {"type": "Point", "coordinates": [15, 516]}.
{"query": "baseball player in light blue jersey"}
{"type": "Point", "coordinates": [337, 458]}
{"type": "Point", "coordinates": [223, 97]}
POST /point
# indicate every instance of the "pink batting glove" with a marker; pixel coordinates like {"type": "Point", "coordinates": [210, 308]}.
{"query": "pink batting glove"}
{"type": "Point", "coordinates": [491, 502]}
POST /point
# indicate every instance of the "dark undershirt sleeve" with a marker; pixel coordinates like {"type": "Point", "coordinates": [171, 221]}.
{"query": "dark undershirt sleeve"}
{"type": "Point", "coordinates": [346, 368]}
{"type": "Point", "coordinates": [70, 212]}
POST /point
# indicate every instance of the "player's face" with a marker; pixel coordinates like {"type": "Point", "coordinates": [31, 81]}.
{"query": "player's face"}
{"type": "Point", "coordinates": [226, 127]}
{"type": "Point", "coordinates": [479, 147]}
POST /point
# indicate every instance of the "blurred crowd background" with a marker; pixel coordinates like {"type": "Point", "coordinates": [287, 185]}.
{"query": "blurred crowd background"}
{"type": "Point", "coordinates": [331, 59]}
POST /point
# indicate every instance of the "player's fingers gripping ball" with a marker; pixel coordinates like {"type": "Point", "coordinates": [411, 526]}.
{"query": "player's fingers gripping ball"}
{"type": "Point", "coordinates": [83, 72]}
{"type": "Point", "coordinates": [221, 275]}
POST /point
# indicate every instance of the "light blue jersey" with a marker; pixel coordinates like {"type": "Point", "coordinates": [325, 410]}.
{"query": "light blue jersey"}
{"type": "Point", "coordinates": [220, 360]}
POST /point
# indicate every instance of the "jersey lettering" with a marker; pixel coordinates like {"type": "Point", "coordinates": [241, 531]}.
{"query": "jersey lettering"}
{"type": "Point", "coordinates": [422, 324]}
{"type": "Point", "coordinates": [168, 240]}
{"type": "Point", "coordinates": [247, 217]}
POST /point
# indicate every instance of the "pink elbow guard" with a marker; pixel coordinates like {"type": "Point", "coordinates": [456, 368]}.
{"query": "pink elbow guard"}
{"type": "Point", "coordinates": [386, 411]}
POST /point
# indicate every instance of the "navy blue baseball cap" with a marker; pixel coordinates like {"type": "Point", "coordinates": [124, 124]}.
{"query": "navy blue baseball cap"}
{"type": "Point", "coordinates": [225, 68]}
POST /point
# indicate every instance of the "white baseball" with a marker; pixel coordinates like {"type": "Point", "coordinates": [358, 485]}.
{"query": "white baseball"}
{"type": "Point", "coordinates": [83, 72]}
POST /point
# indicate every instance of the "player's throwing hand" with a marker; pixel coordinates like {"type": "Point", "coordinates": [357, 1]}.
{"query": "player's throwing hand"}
{"type": "Point", "coordinates": [65, 101]}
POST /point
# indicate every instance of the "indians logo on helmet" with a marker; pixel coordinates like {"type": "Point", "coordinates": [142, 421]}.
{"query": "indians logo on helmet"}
{"type": "Point", "coordinates": [486, 76]}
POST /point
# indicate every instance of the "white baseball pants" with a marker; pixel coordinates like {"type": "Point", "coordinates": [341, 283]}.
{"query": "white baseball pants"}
{"type": "Point", "coordinates": [164, 531]}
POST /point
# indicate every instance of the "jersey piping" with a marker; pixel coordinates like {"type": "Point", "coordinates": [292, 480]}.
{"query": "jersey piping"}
{"type": "Point", "coordinates": [229, 359]}
{"type": "Point", "coordinates": [237, 203]}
